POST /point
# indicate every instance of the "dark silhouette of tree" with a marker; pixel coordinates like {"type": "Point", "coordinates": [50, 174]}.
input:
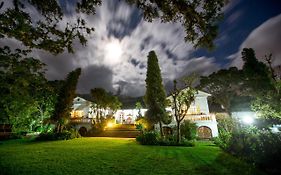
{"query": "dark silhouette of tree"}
{"type": "Point", "coordinates": [103, 101]}
{"type": "Point", "coordinates": [65, 100]}
{"type": "Point", "coordinates": [199, 18]}
{"type": "Point", "coordinates": [44, 31]}
{"type": "Point", "coordinates": [224, 85]}
{"type": "Point", "coordinates": [155, 96]}
{"type": "Point", "coordinates": [257, 75]}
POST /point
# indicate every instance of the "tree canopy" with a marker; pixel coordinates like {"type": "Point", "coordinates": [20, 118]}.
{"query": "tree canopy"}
{"type": "Point", "coordinates": [65, 99]}
{"type": "Point", "coordinates": [104, 100]}
{"type": "Point", "coordinates": [155, 95]}
{"type": "Point", "coordinates": [224, 85]}
{"type": "Point", "coordinates": [181, 101]}
{"type": "Point", "coordinates": [37, 24]}
{"type": "Point", "coordinates": [26, 97]}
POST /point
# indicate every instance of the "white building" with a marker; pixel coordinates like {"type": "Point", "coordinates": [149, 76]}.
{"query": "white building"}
{"type": "Point", "coordinates": [198, 113]}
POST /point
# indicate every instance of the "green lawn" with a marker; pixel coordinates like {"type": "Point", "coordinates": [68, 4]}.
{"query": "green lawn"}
{"type": "Point", "coordinates": [115, 156]}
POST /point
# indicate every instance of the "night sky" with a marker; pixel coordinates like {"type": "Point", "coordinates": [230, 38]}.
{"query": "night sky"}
{"type": "Point", "coordinates": [116, 54]}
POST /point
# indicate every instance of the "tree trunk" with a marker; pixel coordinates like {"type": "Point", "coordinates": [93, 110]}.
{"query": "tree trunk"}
{"type": "Point", "coordinates": [161, 129]}
{"type": "Point", "coordinates": [178, 132]}
{"type": "Point", "coordinates": [58, 128]}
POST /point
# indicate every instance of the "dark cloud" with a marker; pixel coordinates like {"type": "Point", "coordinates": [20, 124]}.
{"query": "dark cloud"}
{"type": "Point", "coordinates": [95, 77]}
{"type": "Point", "coordinates": [135, 62]}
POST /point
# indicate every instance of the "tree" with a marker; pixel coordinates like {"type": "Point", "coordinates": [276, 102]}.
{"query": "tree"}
{"type": "Point", "coordinates": [199, 18]}
{"type": "Point", "coordinates": [100, 99]}
{"type": "Point", "coordinates": [224, 85]}
{"type": "Point", "coordinates": [181, 101]}
{"type": "Point", "coordinates": [155, 96]}
{"type": "Point", "coordinates": [64, 104]}
{"type": "Point", "coordinates": [262, 84]}
{"type": "Point", "coordinates": [46, 95]}
{"type": "Point", "coordinates": [139, 107]}
{"type": "Point", "coordinates": [257, 76]}
{"type": "Point", "coordinates": [44, 31]}
{"type": "Point", "coordinates": [103, 101]}
{"type": "Point", "coordinates": [19, 76]}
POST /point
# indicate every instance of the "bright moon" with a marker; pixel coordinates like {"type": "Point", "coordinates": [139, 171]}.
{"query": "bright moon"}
{"type": "Point", "coordinates": [113, 52]}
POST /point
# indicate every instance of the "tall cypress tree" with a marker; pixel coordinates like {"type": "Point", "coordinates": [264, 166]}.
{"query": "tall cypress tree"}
{"type": "Point", "coordinates": [155, 96]}
{"type": "Point", "coordinates": [65, 99]}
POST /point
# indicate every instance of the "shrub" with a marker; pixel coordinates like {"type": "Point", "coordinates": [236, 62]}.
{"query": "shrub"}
{"type": "Point", "coordinates": [142, 124]}
{"type": "Point", "coordinates": [260, 147]}
{"type": "Point", "coordinates": [148, 138]}
{"type": "Point", "coordinates": [188, 130]}
{"type": "Point", "coordinates": [152, 138]}
{"type": "Point", "coordinates": [171, 140]}
{"type": "Point", "coordinates": [223, 140]}
{"type": "Point", "coordinates": [64, 135]}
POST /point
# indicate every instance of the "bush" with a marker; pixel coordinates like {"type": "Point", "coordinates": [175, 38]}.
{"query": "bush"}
{"type": "Point", "coordinates": [223, 140]}
{"type": "Point", "coordinates": [148, 138]}
{"type": "Point", "coordinates": [142, 124]}
{"type": "Point", "coordinates": [260, 147]}
{"type": "Point", "coordinates": [172, 141]}
{"type": "Point", "coordinates": [64, 135]}
{"type": "Point", "coordinates": [188, 130]}
{"type": "Point", "coordinates": [152, 138]}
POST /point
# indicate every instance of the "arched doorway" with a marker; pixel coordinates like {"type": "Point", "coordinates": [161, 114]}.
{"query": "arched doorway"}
{"type": "Point", "coordinates": [167, 130]}
{"type": "Point", "coordinates": [204, 132]}
{"type": "Point", "coordinates": [82, 131]}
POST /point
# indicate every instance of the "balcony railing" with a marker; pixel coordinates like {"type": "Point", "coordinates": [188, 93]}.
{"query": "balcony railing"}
{"type": "Point", "coordinates": [202, 117]}
{"type": "Point", "coordinates": [81, 120]}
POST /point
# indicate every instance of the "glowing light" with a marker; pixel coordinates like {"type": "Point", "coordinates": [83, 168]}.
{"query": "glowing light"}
{"type": "Point", "coordinates": [113, 52]}
{"type": "Point", "coordinates": [110, 125]}
{"type": "Point", "coordinates": [248, 120]}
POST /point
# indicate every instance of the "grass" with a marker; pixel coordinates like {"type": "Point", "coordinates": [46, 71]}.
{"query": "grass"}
{"type": "Point", "coordinates": [115, 156]}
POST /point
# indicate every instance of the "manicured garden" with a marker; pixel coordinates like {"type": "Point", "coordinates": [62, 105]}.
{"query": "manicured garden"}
{"type": "Point", "coordinates": [115, 156]}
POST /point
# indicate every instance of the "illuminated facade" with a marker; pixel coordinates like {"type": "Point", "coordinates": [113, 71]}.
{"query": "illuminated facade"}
{"type": "Point", "coordinates": [198, 112]}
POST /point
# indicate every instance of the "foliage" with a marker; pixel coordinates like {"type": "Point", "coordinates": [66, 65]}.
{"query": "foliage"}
{"type": "Point", "coordinates": [65, 100]}
{"type": "Point", "coordinates": [260, 147]}
{"type": "Point", "coordinates": [153, 138]}
{"type": "Point", "coordinates": [42, 28]}
{"type": "Point", "coordinates": [257, 74]}
{"type": "Point", "coordinates": [199, 18]}
{"type": "Point", "coordinates": [268, 104]}
{"type": "Point", "coordinates": [155, 95]}
{"type": "Point", "coordinates": [64, 135]}
{"type": "Point", "coordinates": [226, 124]}
{"type": "Point", "coordinates": [139, 107]}
{"type": "Point", "coordinates": [262, 84]}
{"type": "Point", "coordinates": [148, 138]}
{"type": "Point", "coordinates": [27, 98]}
{"type": "Point", "coordinates": [181, 101]}
{"type": "Point", "coordinates": [142, 124]}
{"type": "Point", "coordinates": [188, 130]}
{"type": "Point", "coordinates": [103, 101]}
{"type": "Point", "coordinates": [223, 140]}
{"type": "Point", "coordinates": [224, 86]}
{"type": "Point", "coordinates": [171, 140]}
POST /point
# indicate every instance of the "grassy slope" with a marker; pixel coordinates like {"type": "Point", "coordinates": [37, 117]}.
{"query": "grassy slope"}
{"type": "Point", "coordinates": [114, 156]}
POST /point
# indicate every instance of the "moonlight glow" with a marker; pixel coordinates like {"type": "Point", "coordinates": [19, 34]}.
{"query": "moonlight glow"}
{"type": "Point", "coordinates": [113, 51]}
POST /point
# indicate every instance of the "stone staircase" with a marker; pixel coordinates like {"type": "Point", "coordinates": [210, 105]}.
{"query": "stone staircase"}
{"type": "Point", "coordinates": [121, 130]}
